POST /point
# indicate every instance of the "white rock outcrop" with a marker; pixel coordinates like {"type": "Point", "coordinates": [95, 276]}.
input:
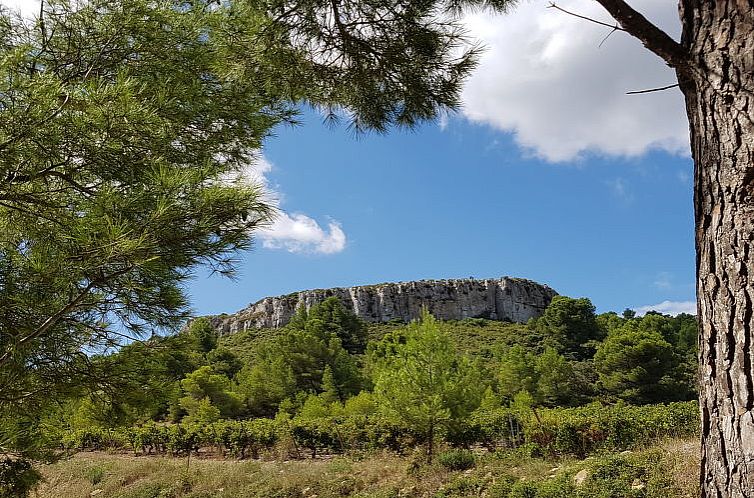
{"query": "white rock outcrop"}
{"type": "Point", "coordinates": [508, 299]}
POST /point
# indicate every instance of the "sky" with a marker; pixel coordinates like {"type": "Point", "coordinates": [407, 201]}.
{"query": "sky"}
{"type": "Point", "coordinates": [548, 172]}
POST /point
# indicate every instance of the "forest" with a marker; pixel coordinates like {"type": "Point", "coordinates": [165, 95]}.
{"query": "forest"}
{"type": "Point", "coordinates": [326, 361]}
{"type": "Point", "coordinates": [570, 382]}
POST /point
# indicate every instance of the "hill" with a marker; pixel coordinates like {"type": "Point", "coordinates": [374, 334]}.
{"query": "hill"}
{"type": "Point", "coordinates": [505, 299]}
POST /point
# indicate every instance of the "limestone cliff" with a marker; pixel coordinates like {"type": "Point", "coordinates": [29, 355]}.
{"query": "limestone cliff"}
{"type": "Point", "coordinates": [510, 299]}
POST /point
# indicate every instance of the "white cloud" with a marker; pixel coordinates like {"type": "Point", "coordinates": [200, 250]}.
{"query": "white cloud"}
{"type": "Point", "coordinates": [299, 233]}
{"type": "Point", "coordinates": [669, 308]}
{"type": "Point", "coordinates": [663, 281]}
{"type": "Point", "coordinates": [296, 232]}
{"type": "Point", "coordinates": [545, 78]}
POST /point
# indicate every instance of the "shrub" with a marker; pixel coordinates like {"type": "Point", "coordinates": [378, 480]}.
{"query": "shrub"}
{"type": "Point", "coordinates": [17, 478]}
{"type": "Point", "coordinates": [95, 474]}
{"type": "Point", "coordinates": [461, 488]}
{"type": "Point", "coordinates": [457, 459]}
{"type": "Point", "coordinates": [584, 430]}
{"type": "Point", "coordinates": [502, 486]}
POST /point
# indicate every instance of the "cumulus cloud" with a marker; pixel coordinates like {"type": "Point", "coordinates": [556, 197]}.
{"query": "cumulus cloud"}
{"type": "Point", "coordinates": [545, 78]}
{"type": "Point", "coordinates": [293, 232]}
{"type": "Point", "coordinates": [669, 308]}
{"type": "Point", "coordinates": [299, 233]}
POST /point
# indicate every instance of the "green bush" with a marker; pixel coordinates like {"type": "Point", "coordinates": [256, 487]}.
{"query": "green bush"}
{"type": "Point", "coordinates": [95, 474]}
{"type": "Point", "coordinates": [558, 431]}
{"type": "Point", "coordinates": [584, 430]}
{"type": "Point", "coordinates": [616, 476]}
{"type": "Point", "coordinates": [523, 489]}
{"type": "Point", "coordinates": [457, 459]}
{"type": "Point", "coordinates": [17, 478]}
{"type": "Point", "coordinates": [502, 486]}
{"type": "Point", "coordinates": [461, 488]}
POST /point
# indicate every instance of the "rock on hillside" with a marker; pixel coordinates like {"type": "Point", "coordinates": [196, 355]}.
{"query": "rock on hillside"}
{"type": "Point", "coordinates": [508, 299]}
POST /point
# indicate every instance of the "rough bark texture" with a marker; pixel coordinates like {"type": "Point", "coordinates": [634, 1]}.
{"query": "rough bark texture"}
{"type": "Point", "coordinates": [718, 86]}
{"type": "Point", "coordinates": [715, 66]}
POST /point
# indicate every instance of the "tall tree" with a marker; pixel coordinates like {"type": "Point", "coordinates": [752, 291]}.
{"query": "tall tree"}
{"type": "Point", "coordinates": [309, 356]}
{"type": "Point", "coordinates": [569, 325]}
{"type": "Point", "coordinates": [424, 383]}
{"type": "Point", "coordinates": [633, 364]}
{"type": "Point", "coordinates": [715, 72]}
{"type": "Point", "coordinates": [123, 133]}
{"type": "Point", "coordinates": [715, 69]}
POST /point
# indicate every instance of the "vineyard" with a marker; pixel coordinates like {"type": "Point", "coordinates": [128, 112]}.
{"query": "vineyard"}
{"type": "Point", "coordinates": [558, 431]}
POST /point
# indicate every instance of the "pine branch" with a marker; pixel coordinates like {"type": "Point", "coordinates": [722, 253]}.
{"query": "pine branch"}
{"type": "Point", "coordinates": [651, 90]}
{"type": "Point", "coordinates": [59, 315]}
{"type": "Point", "coordinates": [553, 5]}
{"type": "Point", "coordinates": [650, 35]}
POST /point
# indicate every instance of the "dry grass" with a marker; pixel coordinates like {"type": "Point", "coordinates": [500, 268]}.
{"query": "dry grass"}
{"type": "Point", "coordinates": [682, 458]}
{"type": "Point", "coordinates": [378, 475]}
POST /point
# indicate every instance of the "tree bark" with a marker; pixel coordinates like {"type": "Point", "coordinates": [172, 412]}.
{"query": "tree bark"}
{"type": "Point", "coordinates": [718, 87]}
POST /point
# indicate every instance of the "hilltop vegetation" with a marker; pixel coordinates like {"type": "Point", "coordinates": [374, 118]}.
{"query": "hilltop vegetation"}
{"type": "Point", "coordinates": [568, 357]}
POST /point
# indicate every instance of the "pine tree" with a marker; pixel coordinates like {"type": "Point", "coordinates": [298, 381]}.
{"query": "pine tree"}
{"type": "Point", "coordinates": [426, 384]}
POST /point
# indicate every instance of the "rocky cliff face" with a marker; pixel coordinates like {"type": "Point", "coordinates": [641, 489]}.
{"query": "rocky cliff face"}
{"type": "Point", "coordinates": [510, 299]}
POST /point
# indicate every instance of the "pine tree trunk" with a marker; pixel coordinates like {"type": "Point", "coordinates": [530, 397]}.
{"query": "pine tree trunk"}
{"type": "Point", "coordinates": [719, 91]}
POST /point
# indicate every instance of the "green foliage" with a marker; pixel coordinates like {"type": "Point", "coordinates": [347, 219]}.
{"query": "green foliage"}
{"type": "Point", "coordinates": [635, 364]}
{"type": "Point", "coordinates": [555, 382]}
{"type": "Point", "coordinates": [267, 382]}
{"type": "Point", "coordinates": [203, 334]}
{"type": "Point", "coordinates": [125, 127]}
{"type": "Point", "coordinates": [475, 337]}
{"type": "Point", "coordinates": [17, 477]}
{"type": "Point", "coordinates": [494, 427]}
{"type": "Point", "coordinates": [209, 396]}
{"type": "Point", "coordinates": [569, 325]}
{"type": "Point", "coordinates": [518, 371]}
{"type": "Point", "coordinates": [200, 411]}
{"type": "Point", "coordinates": [224, 361]}
{"type": "Point", "coordinates": [547, 377]}
{"type": "Point", "coordinates": [619, 476]}
{"type": "Point", "coordinates": [572, 431]}
{"type": "Point", "coordinates": [456, 459]}
{"type": "Point", "coordinates": [424, 384]}
{"type": "Point", "coordinates": [330, 318]}
{"type": "Point", "coordinates": [363, 404]}
{"type": "Point", "coordinates": [316, 406]}
{"type": "Point", "coordinates": [584, 430]}
{"type": "Point", "coordinates": [307, 357]}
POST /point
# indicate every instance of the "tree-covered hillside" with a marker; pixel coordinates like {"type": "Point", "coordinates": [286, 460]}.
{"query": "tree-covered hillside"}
{"type": "Point", "coordinates": [567, 383]}
{"type": "Point", "coordinates": [568, 357]}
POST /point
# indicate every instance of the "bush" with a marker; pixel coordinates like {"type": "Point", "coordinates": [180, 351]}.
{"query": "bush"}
{"type": "Point", "coordinates": [461, 488]}
{"type": "Point", "coordinates": [616, 476]}
{"type": "Point", "coordinates": [457, 459]}
{"type": "Point", "coordinates": [584, 430]}
{"type": "Point", "coordinates": [17, 478]}
{"type": "Point", "coordinates": [558, 431]}
{"type": "Point", "coordinates": [95, 474]}
{"type": "Point", "coordinates": [501, 488]}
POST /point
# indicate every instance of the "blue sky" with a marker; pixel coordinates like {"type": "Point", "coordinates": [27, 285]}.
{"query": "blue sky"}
{"type": "Point", "coordinates": [549, 172]}
{"type": "Point", "coordinates": [465, 201]}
